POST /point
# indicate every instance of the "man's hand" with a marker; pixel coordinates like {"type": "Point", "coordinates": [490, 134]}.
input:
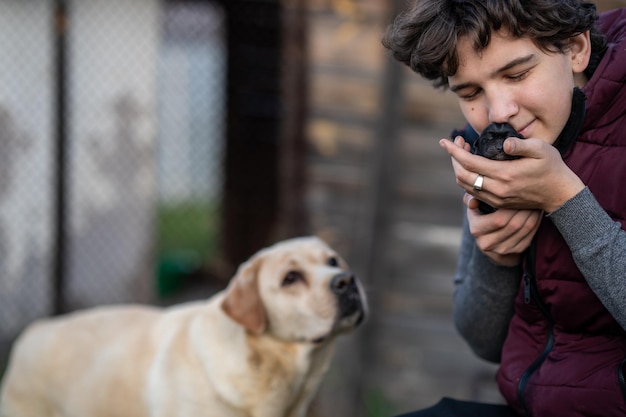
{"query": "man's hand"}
{"type": "Point", "coordinates": [503, 235]}
{"type": "Point", "coordinates": [539, 179]}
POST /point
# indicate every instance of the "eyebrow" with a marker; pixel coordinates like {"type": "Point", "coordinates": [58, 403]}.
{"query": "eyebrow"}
{"type": "Point", "coordinates": [506, 67]}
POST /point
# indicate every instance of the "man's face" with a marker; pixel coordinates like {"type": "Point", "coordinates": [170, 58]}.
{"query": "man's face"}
{"type": "Point", "coordinates": [514, 81]}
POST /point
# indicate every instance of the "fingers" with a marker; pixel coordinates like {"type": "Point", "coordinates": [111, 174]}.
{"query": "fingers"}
{"type": "Point", "coordinates": [459, 151]}
{"type": "Point", "coordinates": [504, 232]}
{"type": "Point", "coordinates": [523, 225]}
{"type": "Point", "coordinates": [466, 165]}
{"type": "Point", "coordinates": [538, 180]}
{"type": "Point", "coordinates": [529, 148]}
{"type": "Point", "coordinates": [503, 182]}
{"type": "Point", "coordinates": [470, 201]}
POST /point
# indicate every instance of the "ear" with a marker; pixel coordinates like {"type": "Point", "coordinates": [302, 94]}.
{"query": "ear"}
{"type": "Point", "coordinates": [580, 51]}
{"type": "Point", "coordinates": [243, 301]}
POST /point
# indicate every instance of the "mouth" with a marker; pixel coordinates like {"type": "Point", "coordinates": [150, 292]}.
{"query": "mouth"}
{"type": "Point", "coordinates": [343, 324]}
{"type": "Point", "coordinates": [319, 340]}
{"type": "Point", "coordinates": [350, 304]}
{"type": "Point", "coordinates": [350, 300]}
{"type": "Point", "coordinates": [351, 313]}
{"type": "Point", "coordinates": [526, 130]}
{"type": "Point", "coordinates": [352, 310]}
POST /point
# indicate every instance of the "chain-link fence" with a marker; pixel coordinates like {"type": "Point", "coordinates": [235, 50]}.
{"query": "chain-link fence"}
{"type": "Point", "coordinates": [111, 142]}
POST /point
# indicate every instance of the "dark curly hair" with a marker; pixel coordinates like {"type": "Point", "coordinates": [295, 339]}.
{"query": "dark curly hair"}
{"type": "Point", "coordinates": [425, 37]}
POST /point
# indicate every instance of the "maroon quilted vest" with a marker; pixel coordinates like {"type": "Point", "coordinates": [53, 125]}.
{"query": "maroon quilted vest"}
{"type": "Point", "coordinates": [564, 354]}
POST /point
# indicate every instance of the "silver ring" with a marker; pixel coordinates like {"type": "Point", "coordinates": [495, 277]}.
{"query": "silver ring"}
{"type": "Point", "coordinates": [478, 184]}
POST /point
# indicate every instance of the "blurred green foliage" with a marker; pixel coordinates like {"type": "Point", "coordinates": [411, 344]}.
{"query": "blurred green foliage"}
{"type": "Point", "coordinates": [377, 405]}
{"type": "Point", "coordinates": [187, 239]}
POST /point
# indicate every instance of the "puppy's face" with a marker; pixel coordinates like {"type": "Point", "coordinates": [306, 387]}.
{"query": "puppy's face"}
{"type": "Point", "coordinates": [490, 143]}
{"type": "Point", "coordinates": [299, 290]}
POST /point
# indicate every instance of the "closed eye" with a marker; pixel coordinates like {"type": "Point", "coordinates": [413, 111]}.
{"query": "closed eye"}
{"type": "Point", "coordinates": [291, 278]}
{"type": "Point", "coordinates": [472, 95]}
{"type": "Point", "coordinates": [518, 77]}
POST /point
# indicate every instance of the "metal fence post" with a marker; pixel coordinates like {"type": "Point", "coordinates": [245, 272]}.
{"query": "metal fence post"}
{"type": "Point", "coordinates": [60, 138]}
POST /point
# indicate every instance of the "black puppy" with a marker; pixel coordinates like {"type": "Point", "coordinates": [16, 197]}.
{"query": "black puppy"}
{"type": "Point", "coordinates": [490, 144]}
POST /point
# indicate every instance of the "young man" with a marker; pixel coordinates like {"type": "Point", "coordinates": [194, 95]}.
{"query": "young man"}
{"type": "Point", "coordinates": [541, 282]}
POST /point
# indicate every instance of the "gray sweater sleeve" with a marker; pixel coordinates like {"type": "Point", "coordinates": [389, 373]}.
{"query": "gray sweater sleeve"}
{"type": "Point", "coordinates": [598, 245]}
{"type": "Point", "coordinates": [484, 293]}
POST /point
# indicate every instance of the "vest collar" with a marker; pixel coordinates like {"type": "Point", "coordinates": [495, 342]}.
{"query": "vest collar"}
{"type": "Point", "coordinates": [575, 122]}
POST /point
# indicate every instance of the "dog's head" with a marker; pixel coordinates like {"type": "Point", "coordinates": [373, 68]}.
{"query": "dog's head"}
{"type": "Point", "coordinates": [490, 143]}
{"type": "Point", "coordinates": [298, 290]}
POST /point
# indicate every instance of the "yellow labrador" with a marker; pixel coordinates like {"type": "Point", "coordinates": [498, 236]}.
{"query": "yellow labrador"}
{"type": "Point", "coordinates": [257, 349]}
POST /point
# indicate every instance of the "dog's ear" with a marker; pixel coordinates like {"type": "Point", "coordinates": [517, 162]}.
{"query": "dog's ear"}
{"type": "Point", "coordinates": [243, 301]}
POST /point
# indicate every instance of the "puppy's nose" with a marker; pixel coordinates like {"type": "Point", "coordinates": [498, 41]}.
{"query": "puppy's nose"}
{"type": "Point", "coordinates": [342, 283]}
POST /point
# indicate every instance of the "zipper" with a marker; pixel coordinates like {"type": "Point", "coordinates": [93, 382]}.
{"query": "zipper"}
{"type": "Point", "coordinates": [621, 378]}
{"type": "Point", "coordinates": [531, 293]}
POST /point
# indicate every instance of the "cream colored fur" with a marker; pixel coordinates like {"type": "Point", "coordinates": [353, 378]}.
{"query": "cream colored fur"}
{"type": "Point", "coordinates": [257, 349]}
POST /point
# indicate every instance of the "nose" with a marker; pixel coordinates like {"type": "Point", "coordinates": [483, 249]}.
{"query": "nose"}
{"type": "Point", "coordinates": [342, 283]}
{"type": "Point", "coordinates": [502, 107]}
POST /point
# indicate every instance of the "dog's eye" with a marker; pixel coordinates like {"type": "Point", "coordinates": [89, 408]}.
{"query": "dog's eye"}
{"type": "Point", "coordinates": [291, 278]}
{"type": "Point", "coordinates": [333, 261]}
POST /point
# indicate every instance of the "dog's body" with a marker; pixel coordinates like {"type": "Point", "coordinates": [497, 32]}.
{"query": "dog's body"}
{"type": "Point", "coordinates": [258, 349]}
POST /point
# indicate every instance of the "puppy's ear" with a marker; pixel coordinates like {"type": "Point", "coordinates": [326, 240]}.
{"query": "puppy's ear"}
{"type": "Point", "coordinates": [243, 301]}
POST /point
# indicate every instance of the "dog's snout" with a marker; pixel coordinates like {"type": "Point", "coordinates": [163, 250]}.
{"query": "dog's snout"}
{"type": "Point", "coordinates": [350, 301]}
{"type": "Point", "coordinates": [342, 283]}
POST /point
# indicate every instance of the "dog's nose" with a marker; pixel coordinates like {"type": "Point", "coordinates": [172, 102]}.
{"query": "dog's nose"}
{"type": "Point", "coordinates": [342, 283]}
